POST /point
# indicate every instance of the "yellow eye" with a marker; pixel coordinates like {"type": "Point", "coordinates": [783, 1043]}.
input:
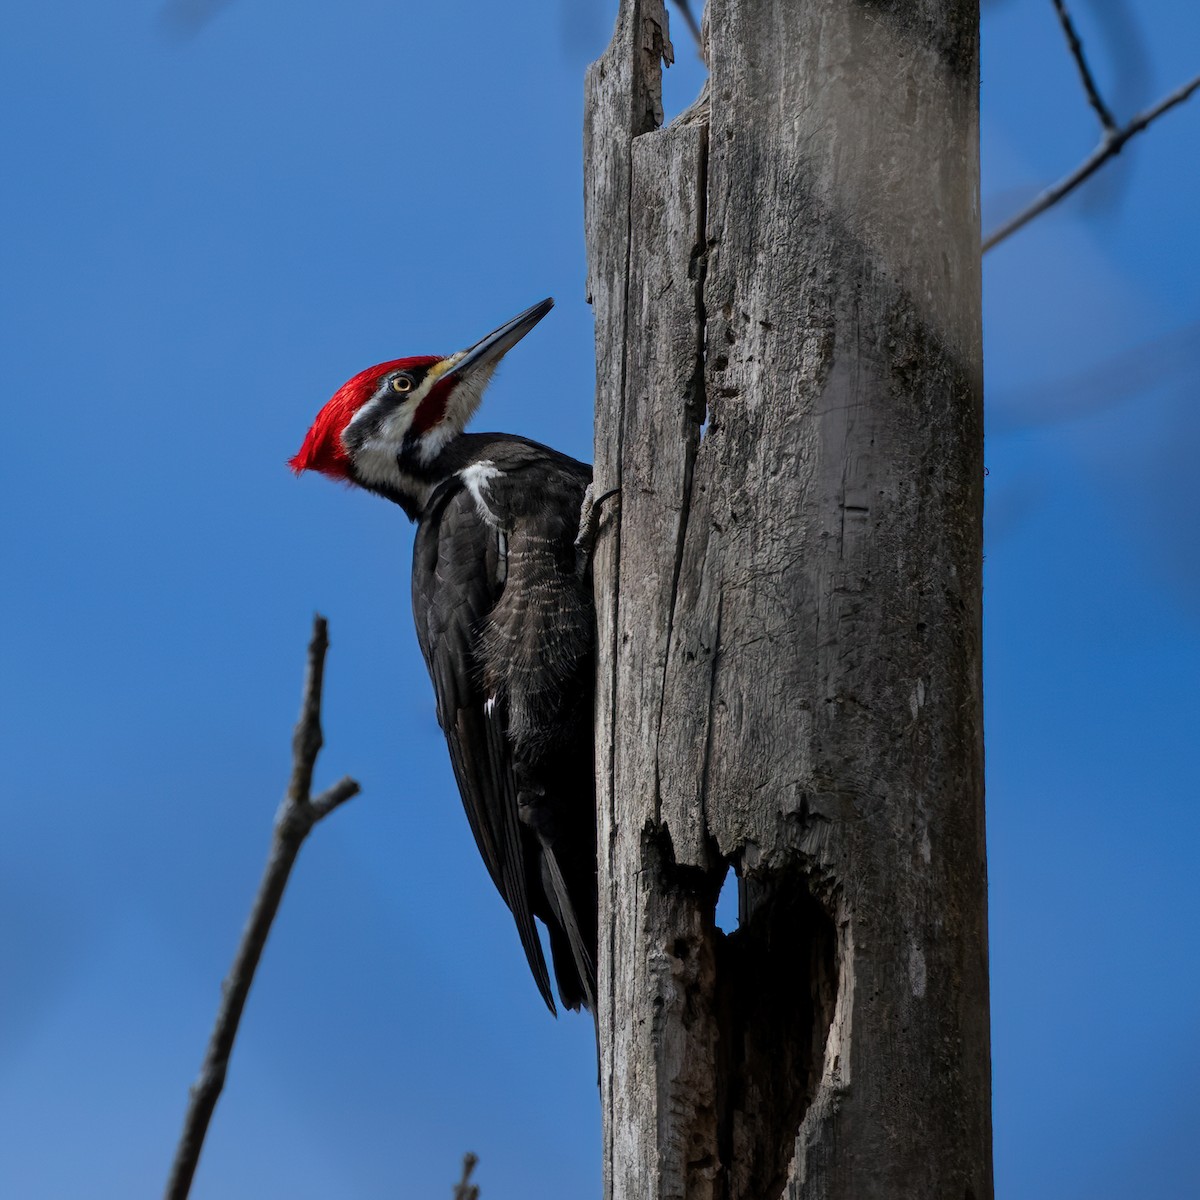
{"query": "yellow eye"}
{"type": "Point", "coordinates": [402, 383]}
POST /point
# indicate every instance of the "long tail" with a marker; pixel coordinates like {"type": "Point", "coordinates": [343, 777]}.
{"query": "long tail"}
{"type": "Point", "coordinates": [579, 930]}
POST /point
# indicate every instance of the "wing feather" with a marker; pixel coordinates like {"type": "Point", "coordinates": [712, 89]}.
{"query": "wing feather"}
{"type": "Point", "coordinates": [452, 597]}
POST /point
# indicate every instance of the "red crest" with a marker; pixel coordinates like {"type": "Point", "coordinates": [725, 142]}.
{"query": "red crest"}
{"type": "Point", "coordinates": [322, 449]}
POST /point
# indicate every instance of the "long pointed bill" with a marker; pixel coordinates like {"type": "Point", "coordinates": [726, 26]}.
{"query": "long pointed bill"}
{"type": "Point", "coordinates": [499, 342]}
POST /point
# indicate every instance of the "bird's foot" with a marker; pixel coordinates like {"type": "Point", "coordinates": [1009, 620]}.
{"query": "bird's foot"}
{"type": "Point", "coordinates": [591, 512]}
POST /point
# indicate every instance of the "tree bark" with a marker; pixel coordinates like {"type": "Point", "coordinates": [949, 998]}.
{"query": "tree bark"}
{"type": "Point", "coordinates": [789, 396]}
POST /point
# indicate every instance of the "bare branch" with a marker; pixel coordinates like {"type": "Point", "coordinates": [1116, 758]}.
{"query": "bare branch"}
{"type": "Point", "coordinates": [1085, 73]}
{"type": "Point", "coordinates": [1171, 360]}
{"type": "Point", "coordinates": [465, 1189]}
{"type": "Point", "coordinates": [329, 799]}
{"type": "Point", "coordinates": [296, 817]}
{"type": "Point", "coordinates": [1109, 147]}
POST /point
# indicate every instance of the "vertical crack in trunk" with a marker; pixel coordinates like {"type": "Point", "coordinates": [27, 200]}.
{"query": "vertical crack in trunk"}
{"type": "Point", "coordinates": [696, 402]}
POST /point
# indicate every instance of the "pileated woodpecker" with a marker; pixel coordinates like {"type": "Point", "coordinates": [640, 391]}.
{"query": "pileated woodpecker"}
{"type": "Point", "coordinates": [503, 604]}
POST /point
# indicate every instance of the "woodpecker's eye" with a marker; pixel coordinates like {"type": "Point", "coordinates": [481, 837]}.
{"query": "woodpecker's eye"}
{"type": "Point", "coordinates": [402, 383]}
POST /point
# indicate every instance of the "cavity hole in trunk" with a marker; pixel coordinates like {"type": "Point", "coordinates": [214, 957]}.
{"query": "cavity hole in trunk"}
{"type": "Point", "coordinates": [727, 916]}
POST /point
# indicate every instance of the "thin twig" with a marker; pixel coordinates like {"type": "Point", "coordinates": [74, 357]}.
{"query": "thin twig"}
{"type": "Point", "coordinates": [296, 817]}
{"type": "Point", "coordinates": [465, 1189]}
{"type": "Point", "coordinates": [187, 18]}
{"type": "Point", "coordinates": [1085, 72]}
{"type": "Point", "coordinates": [1171, 360]}
{"type": "Point", "coordinates": [689, 19]}
{"type": "Point", "coordinates": [1109, 147]}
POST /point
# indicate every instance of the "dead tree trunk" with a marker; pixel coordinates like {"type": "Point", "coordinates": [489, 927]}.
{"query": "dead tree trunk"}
{"type": "Point", "coordinates": [787, 298]}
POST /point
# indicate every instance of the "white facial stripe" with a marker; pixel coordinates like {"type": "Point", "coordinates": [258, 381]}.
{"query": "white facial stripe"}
{"type": "Point", "coordinates": [376, 464]}
{"type": "Point", "coordinates": [398, 422]}
{"type": "Point", "coordinates": [396, 426]}
{"type": "Point", "coordinates": [434, 373]}
{"type": "Point", "coordinates": [376, 458]}
{"type": "Point", "coordinates": [367, 411]}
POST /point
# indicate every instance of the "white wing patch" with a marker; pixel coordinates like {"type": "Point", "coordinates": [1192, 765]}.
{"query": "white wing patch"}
{"type": "Point", "coordinates": [501, 556]}
{"type": "Point", "coordinates": [477, 479]}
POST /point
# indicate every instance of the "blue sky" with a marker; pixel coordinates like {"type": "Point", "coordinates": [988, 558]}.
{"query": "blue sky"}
{"type": "Point", "coordinates": [206, 233]}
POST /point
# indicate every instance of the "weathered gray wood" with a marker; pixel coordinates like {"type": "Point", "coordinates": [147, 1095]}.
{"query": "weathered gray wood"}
{"type": "Point", "coordinates": [623, 99]}
{"type": "Point", "coordinates": [790, 606]}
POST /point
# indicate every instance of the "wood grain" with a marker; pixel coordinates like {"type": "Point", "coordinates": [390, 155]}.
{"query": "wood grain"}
{"type": "Point", "coordinates": [789, 394]}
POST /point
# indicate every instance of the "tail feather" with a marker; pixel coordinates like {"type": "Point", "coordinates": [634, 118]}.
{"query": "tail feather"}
{"type": "Point", "coordinates": [571, 948]}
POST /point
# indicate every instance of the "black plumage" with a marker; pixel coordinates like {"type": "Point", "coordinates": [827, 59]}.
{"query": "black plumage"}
{"type": "Point", "coordinates": [502, 598]}
{"type": "Point", "coordinates": [503, 608]}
